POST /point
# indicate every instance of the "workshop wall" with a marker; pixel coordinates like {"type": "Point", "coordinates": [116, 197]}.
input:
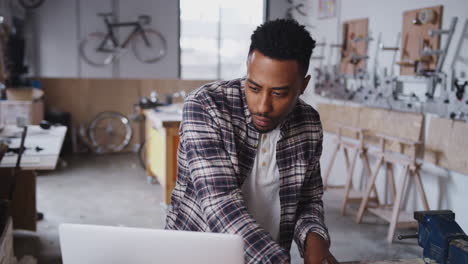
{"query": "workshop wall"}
{"type": "Point", "coordinates": [84, 98]}
{"type": "Point", "coordinates": [444, 188]}
{"type": "Point", "coordinates": [61, 24]}
{"type": "Point", "coordinates": [276, 9]}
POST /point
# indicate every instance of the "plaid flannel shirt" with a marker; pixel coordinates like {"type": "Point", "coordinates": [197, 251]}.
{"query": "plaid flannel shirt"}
{"type": "Point", "coordinates": [218, 144]}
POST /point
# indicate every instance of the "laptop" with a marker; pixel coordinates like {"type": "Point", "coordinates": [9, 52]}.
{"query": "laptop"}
{"type": "Point", "coordinates": [90, 244]}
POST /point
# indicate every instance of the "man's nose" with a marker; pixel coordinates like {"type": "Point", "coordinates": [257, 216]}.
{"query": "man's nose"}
{"type": "Point", "coordinates": [265, 104]}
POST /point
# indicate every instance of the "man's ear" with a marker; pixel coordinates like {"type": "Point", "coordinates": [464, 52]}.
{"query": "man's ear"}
{"type": "Point", "coordinates": [305, 83]}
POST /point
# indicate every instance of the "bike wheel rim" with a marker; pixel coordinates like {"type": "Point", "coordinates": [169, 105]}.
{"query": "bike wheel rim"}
{"type": "Point", "coordinates": [96, 126]}
{"type": "Point", "coordinates": [161, 46]}
{"type": "Point", "coordinates": [83, 48]}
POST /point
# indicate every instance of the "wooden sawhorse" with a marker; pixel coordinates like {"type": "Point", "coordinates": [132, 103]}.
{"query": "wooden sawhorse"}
{"type": "Point", "coordinates": [392, 212]}
{"type": "Point", "coordinates": [359, 148]}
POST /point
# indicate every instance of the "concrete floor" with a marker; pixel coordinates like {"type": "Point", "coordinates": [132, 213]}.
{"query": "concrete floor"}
{"type": "Point", "coordinates": [113, 190]}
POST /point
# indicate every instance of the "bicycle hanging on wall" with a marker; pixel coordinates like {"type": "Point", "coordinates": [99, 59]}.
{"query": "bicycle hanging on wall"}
{"type": "Point", "coordinates": [31, 4]}
{"type": "Point", "coordinates": [101, 49]}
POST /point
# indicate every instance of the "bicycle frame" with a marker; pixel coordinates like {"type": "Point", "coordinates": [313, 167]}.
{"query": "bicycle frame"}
{"type": "Point", "coordinates": [110, 34]}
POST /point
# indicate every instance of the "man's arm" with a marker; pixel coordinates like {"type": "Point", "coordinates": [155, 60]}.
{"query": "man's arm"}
{"type": "Point", "coordinates": [317, 250]}
{"type": "Point", "coordinates": [310, 206]}
{"type": "Point", "coordinates": [217, 187]}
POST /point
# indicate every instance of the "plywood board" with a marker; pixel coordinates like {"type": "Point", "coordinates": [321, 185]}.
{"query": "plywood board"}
{"type": "Point", "coordinates": [457, 152]}
{"type": "Point", "coordinates": [405, 125]}
{"type": "Point", "coordinates": [393, 123]}
{"type": "Point", "coordinates": [447, 144]}
{"type": "Point", "coordinates": [371, 119]}
{"type": "Point", "coordinates": [402, 125]}
{"type": "Point", "coordinates": [437, 141]}
{"type": "Point", "coordinates": [352, 30]}
{"type": "Point", "coordinates": [415, 36]}
{"type": "Point", "coordinates": [330, 114]}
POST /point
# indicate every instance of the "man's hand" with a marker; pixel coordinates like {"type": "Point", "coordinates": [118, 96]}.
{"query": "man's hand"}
{"type": "Point", "coordinates": [317, 250]}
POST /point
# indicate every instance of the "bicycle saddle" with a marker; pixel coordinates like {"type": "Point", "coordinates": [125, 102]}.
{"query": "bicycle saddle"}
{"type": "Point", "coordinates": [105, 14]}
{"type": "Point", "coordinates": [144, 19]}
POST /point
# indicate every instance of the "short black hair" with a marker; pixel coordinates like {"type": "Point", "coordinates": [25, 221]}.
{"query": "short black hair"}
{"type": "Point", "coordinates": [283, 39]}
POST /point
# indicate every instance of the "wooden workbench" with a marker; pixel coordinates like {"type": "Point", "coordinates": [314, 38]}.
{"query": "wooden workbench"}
{"type": "Point", "coordinates": [50, 141]}
{"type": "Point", "coordinates": [23, 206]}
{"type": "Point", "coordinates": [162, 141]}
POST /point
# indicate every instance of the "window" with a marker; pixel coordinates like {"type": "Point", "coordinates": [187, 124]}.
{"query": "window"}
{"type": "Point", "coordinates": [215, 37]}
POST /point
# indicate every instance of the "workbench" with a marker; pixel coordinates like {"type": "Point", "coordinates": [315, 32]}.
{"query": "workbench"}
{"type": "Point", "coordinates": [42, 153]}
{"type": "Point", "coordinates": [162, 141]}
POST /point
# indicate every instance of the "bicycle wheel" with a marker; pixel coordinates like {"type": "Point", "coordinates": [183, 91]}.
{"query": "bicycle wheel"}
{"type": "Point", "coordinates": [110, 132]}
{"type": "Point", "coordinates": [90, 53]}
{"type": "Point", "coordinates": [31, 4]}
{"type": "Point", "coordinates": [142, 154]}
{"type": "Point", "coordinates": [149, 46]}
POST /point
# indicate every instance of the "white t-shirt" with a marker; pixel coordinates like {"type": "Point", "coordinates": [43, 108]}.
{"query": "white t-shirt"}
{"type": "Point", "coordinates": [261, 188]}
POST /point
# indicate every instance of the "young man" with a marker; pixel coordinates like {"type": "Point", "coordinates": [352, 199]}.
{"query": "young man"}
{"type": "Point", "coordinates": [248, 159]}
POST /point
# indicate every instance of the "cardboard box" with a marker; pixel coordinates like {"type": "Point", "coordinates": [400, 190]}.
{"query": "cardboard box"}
{"type": "Point", "coordinates": [26, 103]}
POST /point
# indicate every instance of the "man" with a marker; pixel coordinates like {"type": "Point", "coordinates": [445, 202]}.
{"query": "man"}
{"type": "Point", "coordinates": [248, 159]}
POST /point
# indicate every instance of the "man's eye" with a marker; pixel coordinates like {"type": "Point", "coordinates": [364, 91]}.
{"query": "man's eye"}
{"type": "Point", "coordinates": [254, 89]}
{"type": "Point", "coordinates": [279, 94]}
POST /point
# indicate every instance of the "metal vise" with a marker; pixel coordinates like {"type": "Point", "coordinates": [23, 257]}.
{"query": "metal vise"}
{"type": "Point", "coordinates": [442, 239]}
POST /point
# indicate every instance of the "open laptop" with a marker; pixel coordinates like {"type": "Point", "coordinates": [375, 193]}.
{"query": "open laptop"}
{"type": "Point", "coordinates": [89, 244]}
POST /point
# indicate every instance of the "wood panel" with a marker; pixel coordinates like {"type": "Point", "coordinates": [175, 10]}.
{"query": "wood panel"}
{"type": "Point", "coordinates": [85, 98]}
{"type": "Point", "coordinates": [330, 114]}
{"type": "Point", "coordinates": [415, 37]}
{"type": "Point", "coordinates": [404, 125]}
{"type": "Point", "coordinates": [23, 204]}
{"type": "Point", "coordinates": [352, 30]}
{"type": "Point", "coordinates": [437, 141]}
{"type": "Point", "coordinates": [67, 95]}
{"type": "Point", "coordinates": [447, 144]}
{"type": "Point", "coordinates": [457, 151]}
{"type": "Point", "coordinates": [374, 120]}
{"type": "Point", "coordinates": [112, 95]}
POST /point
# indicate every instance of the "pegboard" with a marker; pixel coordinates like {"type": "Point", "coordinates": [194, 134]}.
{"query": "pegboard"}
{"type": "Point", "coordinates": [353, 31]}
{"type": "Point", "coordinates": [416, 25]}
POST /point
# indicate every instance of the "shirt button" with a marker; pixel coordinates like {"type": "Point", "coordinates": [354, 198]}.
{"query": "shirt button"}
{"type": "Point", "coordinates": [263, 164]}
{"type": "Point", "coordinates": [265, 136]}
{"type": "Point", "coordinates": [264, 150]}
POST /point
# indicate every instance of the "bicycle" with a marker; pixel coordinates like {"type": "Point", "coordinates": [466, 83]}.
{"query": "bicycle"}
{"type": "Point", "coordinates": [101, 49]}
{"type": "Point", "coordinates": [31, 4]}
